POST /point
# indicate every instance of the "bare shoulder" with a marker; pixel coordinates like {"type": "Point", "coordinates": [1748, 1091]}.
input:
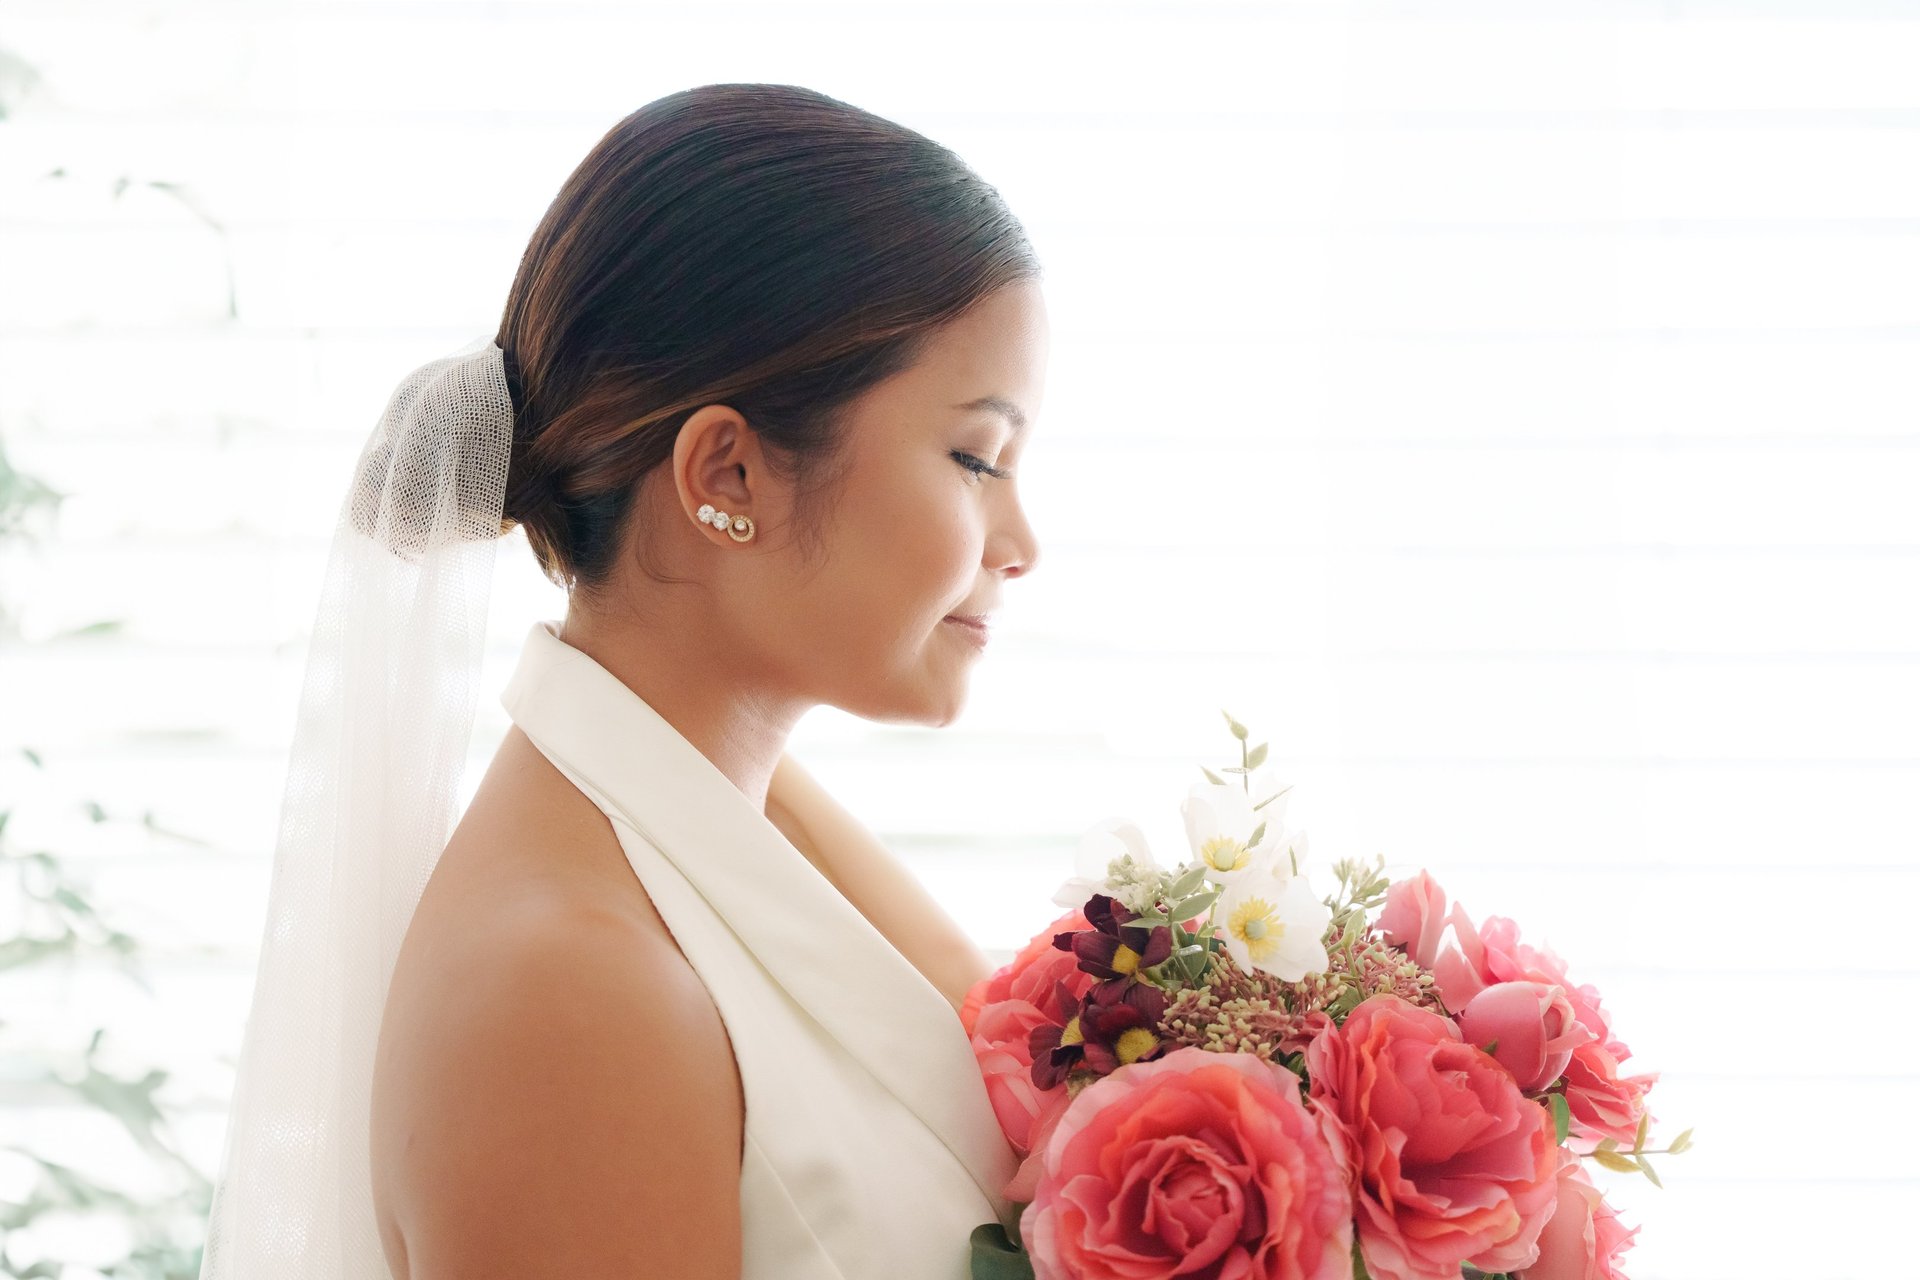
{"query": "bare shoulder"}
{"type": "Point", "coordinates": [555, 1092]}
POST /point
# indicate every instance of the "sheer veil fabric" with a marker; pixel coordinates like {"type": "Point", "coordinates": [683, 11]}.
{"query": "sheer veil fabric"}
{"type": "Point", "coordinates": [385, 714]}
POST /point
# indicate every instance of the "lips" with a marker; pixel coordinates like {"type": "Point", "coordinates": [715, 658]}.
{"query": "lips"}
{"type": "Point", "coordinates": [976, 624]}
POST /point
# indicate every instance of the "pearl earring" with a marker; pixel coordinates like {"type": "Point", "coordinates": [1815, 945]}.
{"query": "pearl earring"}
{"type": "Point", "coordinates": [721, 520]}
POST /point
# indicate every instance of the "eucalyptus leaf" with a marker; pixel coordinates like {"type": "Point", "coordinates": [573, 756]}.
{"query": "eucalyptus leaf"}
{"type": "Point", "coordinates": [1615, 1161]}
{"type": "Point", "coordinates": [1189, 907]}
{"type": "Point", "coordinates": [1189, 881]}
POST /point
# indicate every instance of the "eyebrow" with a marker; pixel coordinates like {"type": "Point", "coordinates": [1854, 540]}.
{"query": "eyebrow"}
{"type": "Point", "coordinates": [1002, 406]}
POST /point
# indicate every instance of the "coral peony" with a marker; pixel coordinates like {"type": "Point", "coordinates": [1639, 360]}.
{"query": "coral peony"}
{"type": "Point", "coordinates": [1452, 1163]}
{"type": "Point", "coordinates": [1201, 1165]}
{"type": "Point", "coordinates": [1584, 1238]}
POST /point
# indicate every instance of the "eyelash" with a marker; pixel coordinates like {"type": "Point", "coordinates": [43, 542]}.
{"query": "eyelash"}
{"type": "Point", "coordinates": [978, 467]}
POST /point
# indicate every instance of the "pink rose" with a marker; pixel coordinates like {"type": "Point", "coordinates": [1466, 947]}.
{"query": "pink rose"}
{"type": "Point", "coordinates": [1534, 1025]}
{"type": "Point", "coordinates": [1415, 916]}
{"type": "Point", "coordinates": [1018, 979]}
{"type": "Point", "coordinates": [1603, 1103]}
{"type": "Point", "coordinates": [1454, 1164]}
{"type": "Point", "coordinates": [1199, 1164]}
{"type": "Point", "coordinates": [999, 1013]}
{"type": "Point", "coordinates": [1025, 1183]}
{"type": "Point", "coordinates": [1584, 1238]}
{"type": "Point", "coordinates": [1494, 953]}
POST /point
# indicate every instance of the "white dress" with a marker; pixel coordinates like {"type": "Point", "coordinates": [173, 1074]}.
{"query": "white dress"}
{"type": "Point", "coordinates": [871, 1149]}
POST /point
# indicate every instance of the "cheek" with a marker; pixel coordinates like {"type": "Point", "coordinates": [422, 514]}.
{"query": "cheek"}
{"type": "Point", "coordinates": [908, 550]}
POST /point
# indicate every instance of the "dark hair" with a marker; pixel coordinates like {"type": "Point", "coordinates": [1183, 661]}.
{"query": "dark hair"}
{"type": "Point", "coordinates": [764, 246]}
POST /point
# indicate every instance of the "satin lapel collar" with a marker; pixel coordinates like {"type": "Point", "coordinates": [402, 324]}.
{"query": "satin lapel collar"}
{"type": "Point", "coordinates": [815, 943]}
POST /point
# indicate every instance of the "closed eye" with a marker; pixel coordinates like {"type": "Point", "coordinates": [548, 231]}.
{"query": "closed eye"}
{"type": "Point", "coordinates": [979, 467]}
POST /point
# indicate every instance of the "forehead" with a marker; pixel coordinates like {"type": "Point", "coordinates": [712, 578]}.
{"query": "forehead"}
{"type": "Point", "coordinates": [990, 361]}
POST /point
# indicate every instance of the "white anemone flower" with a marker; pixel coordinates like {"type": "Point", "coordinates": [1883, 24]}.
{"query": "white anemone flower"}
{"type": "Point", "coordinates": [1274, 924]}
{"type": "Point", "coordinates": [1103, 843]}
{"type": "Point", "coordinates": [1221, 821]}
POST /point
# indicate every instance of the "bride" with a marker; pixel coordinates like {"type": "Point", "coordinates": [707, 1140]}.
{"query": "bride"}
{"type": "Point", "coordinates": [657, 1005]}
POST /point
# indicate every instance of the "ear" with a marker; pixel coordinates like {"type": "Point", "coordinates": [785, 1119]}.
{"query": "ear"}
{"type": "Point", "coordinates": [717, 459]}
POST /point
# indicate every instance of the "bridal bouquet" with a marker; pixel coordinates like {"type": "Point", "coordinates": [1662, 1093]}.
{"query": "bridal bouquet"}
{"type": "Point", "coordinates": [1210, 1073]}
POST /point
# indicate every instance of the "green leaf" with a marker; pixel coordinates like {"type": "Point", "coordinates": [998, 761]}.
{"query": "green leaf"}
{"type": "Point", "coordinates": [1562, 1116]}
{"type": "Point", "coordinates": [1275, 796]}
{"type": "Point", "coordinates": [1189, 881]}
{"type": "Point", "coordinates": [1257, 756]}
{"type": "Point", "coordinates": [1239, 730]}
{"type": "Point", "coordinates": [1680, 1143]}
{"type": "Point", "coordinates": [1213, 777]}
{"type": "Point", "coordinates": [107, 626]}
{"type": "Point", "coordinates": [1189, 907]}
{"type": "Point", "coordinates": [1258, 831]}
{"type": "Point", "coordinates": [997, 1257]}
{"type": "Point", "coordinates": [1640, 1134]}
{"type": "Point", "coordinates": [1646, 1167]}
{"type": "Point", "coordinates": [1492, 1046]}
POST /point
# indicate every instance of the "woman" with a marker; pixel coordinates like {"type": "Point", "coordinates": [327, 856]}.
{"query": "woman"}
{"type": "Point", "coordinates": [662, 1007]}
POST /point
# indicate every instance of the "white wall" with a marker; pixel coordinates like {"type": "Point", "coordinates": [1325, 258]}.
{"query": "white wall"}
{"type": "Point", "coordinates": [1507, 410]}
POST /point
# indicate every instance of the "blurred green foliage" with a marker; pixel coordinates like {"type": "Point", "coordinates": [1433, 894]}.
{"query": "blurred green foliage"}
{"type": "Point", "coordinates": [59, 927]}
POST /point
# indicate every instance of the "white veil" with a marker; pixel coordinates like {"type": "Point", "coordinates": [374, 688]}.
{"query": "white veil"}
{"type": "Point", "coordinates": [386, 710]}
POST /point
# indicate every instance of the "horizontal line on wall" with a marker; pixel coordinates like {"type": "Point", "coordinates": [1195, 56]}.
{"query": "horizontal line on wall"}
{"type": "Point", "coordinates": [229, 433]}
{"type": "Point", "coordinates": [266, 542]}
{"type": "Point", "coordinates": [452, 337]}
{"type": "Point", "coordinates": [1665, 13]}
{"type": "Point", "coordinates": [1350, 226]}
{"type": "Point", "coordinates": [1015, 645]}
{"type": "Point", "coordinates": [213, 743]}
{"type": "Point", "coordinates": [1223, 122]}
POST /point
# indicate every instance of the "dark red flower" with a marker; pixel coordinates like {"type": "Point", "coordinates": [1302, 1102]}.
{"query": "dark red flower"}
{"type": "Point", "coordinates": [1056, 1046]}
{"type": "Point", "coordinates": [1114, 949]}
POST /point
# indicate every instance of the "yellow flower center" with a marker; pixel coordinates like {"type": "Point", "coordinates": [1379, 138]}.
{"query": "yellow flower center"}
{"type": "Point", "coordinates": [1134, 1044]}
{"type": "Point", "coordinates": [1125, 959]}
{"type": "Point", "coordinates": [1224, 853]}
{"type": "Point", "coordinates": [1070, 1034]}
{"type": "Point", "coordinates": [1256, 922]}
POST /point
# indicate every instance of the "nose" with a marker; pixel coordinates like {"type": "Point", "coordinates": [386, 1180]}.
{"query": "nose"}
{"type": "Point", "coordinates": [1013, 550]}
